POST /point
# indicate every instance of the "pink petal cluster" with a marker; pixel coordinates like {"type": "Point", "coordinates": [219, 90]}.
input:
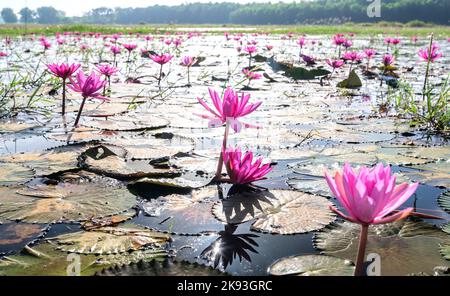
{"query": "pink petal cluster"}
{"type": "Point", "coordinates": [231, 107]}
{"type": "Point", "coordinates": [115, 50]}
{"type": "Point", "coordinates": [370, 196]}
{"type": "Point", "coordinates": [334, 63]}
{"type": "Point", "coordinates": [338, 39]}
{"type": "Point", "coordinates": [130, 47]}
{"type": "Point", "coordinates": [88, 86]}
{"type": "Point", "coordinates": [251, 75]}
{"type": "Point", "coordinates": [3, 54]}
{"type": "Point", "coordinates": [352, 56]}
{"type": "Point", "coordinates": [188, 61]}
{"type": "Point", "coordinates": [430, 55]}
{"type": "Point", "coordinates": [161, 59]}
{"type": "Point", "coordinates": [301, 42]}
{"type": "Point", "coordinates": [45, 43]}
{"type": "Point", "coordinates": [250, 49]}
{"type": "Point", "coordinates": [106, 70]}
{"type": "Point", "coordinates": [369, 52]}
{"type": "Point", "coordinates": [388, 60]}
{"type": "Point", "coordinates": [242, 169]}
{"type": "Point", "coordinates": [63, 70]}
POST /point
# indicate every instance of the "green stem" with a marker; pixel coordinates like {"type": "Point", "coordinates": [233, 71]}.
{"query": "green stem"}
{"type": "Point", "coordinates": [426, 75]}
{"type": "Point", "coordinates": [224, 147]}
{"type": "Point", "coordinates": [79, 112]}
{"type": "Point", "coordinates": [64, 96]}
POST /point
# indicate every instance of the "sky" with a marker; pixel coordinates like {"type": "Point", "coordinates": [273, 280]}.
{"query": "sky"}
{"type": "Point", "coordinates": [78, 7]}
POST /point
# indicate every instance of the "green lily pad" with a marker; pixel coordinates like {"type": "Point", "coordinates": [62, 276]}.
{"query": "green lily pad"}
{"type": "Point", "coordinates": [300, 73]}
{"type": "Point", "coordinates": [185, 181]}
{"type": "Point", "coordinates": [45, 259]}
{"type": "Point", "coordinates": [353, 81]}
{"type": "Point", "coordinates": [312, 265]}
{"type": "Point", "coordinates": [444, 200]}
{"type": "Point", "coordinates": [433, 174]}
{"type": "Point", "coordinates": [404, 247]}
{"type": "Point", "coordinates": [64, 201]}
{"type": "Point", "coordinates": [127, 123]}
{"type": "Point", "coordinates": [14, 174]}
{"type": "Point", "coordinates": [110, 240]}
{"type": "Point", "coordinates": [16, 235]}
{"type": "Point", "coordinates": [15, 127]}
{"type": "Point", "coordinates": [276, 211]}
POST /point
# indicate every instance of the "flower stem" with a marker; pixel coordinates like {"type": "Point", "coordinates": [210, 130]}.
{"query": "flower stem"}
{"type": "Point", "coordinates": [189, 77]}
{"type": "Point", "coordinates": [64, 96]}
{"type": "Point", "coordinates": [160, 75]}
{"type": "Point", "coordinates": [427, 73]}
{"type": "Point", "coordinates": [79, 112]}
{"type": "Point", "coordinates": [359, 269]}
{"type": "Point", "coordinates": [224, 147]}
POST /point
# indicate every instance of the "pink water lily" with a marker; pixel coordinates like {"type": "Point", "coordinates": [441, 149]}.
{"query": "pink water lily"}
{"type": "Point", "coordinates": [188, 62]}
{"type": "Point", "coordinates": [352, 56]}
{"type": "Point", "coordinates": [430, 54]}
{"type": "Point", "coordinates": [63, 71]}
{"type": "Point", "coordinates": [388, 60]}
{"type": "Point", "coordinates": [228, 109]}
{"type": "Point", "coordinates": [251, 49]}
{"type": "Point", "coordinates": [88, 87]}
{"type": "Point", "coordinates": [161, 59]}
{"type": "Point", "coordinates": [108, 71]}
{"type": "Point", "coordinates": [129, 46]}
{"type": "Point", "coordinates": [3, 54]}
{"type": "Point", "coordinates": [369, 196]}
{"type": "Point", "coordinates": [251, 75]}
{"type": "Point", "coordinates": [334, 63]}
{"type": "Point", "coordinates": [242, 168]}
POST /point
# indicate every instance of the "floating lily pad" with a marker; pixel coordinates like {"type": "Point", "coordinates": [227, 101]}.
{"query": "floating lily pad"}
{"type": "Point", "coordinates": [14, 174]}
{"type": "Point", "coordinates": [110, 240]}
{"type": "Point", "coordinates": [45, 259]}
{"type": "Point", "coordinates": [353, 81]}
{"type": "Point", "coordinates": [310, 184]}
{"type": "Point", "coordinates": [63, 201]}
{"type": "Point", "coordinates": [434, 174]}
{"type": "Point", "coordinates": [105, 109]}
{"type": "Point", "coordinates": [312, 265]}
{"type": "Point", "coordinates": [444, 200]}
{"type": "Point", "coordinates": [433, 153]}
{"type": "Point", "coordinates": [194, 163]}
{"type": "Point", "coordinates": [276, 211]}
{"type": "Point", "coordinates": [102, 160]}
{"type": "Point", "coordinates": [158, 268]}
{"type": "Point", "coordinates": [15, 127]}
{"type": "Point", "coordinates": [16, 235]}
{"type": "Point", "coordinates": [127, 123]}
{"type": "Point", "coordinates": [80, 134]}
{"type": "Point", "coordinates": [46, 163]}
{"type": "Point", "coordinates": [185, 181]}
{"type": "Point", "coordinates": [185, 214]}
{"type": "Point", "coordinates": [380, 125]}
{"type": "Point", "coordinates": [404, 247]}
{"type": "Point", "coordinates": [396, 157]}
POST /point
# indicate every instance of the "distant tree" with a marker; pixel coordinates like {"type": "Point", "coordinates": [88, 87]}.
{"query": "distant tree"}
{"type": "Point", "coordinates": [27, 15]}
{"type": "Point", "coordinates": [49, 15]}
{"type": "Point", "coordinates": [8, 15]}
{"type": "Point", "coordinates": [101, 15]}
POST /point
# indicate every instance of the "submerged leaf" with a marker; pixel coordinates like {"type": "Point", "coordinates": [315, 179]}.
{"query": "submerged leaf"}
{"type": "Point", "coordinates": [312, 265]}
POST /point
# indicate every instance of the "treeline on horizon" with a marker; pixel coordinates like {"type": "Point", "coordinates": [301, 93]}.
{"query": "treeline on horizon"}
{"type": "Point", "coordinates": [311, 12]}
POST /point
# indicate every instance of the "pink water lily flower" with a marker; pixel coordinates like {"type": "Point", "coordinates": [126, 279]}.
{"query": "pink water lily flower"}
{"type": "Point", "coordinates": [115, 50]}
{"type": "Point", "coordinates": [430, 55]}
{"type": "Point", "coordinates": [338, 39]}
{"type": "Point", "coordinates": [45, 44]}
{"type": "Point", "coordinates": [242, 168]}
{"type": "Point", "coordinates": [188, 61]}
{"type": "Point", "coordinates": [3, 54]}
{"type": "Point", "coordinates": [88, 87]}
{"type": "Point", "coordinates": [369, 52]}
{"type": "Point", "coordinates": [309, 60]}
{"type": "Point", "coordinates": [370, 195]}
{"type": "Point", "coordinates": [334, 63]}
{"type": "Point", "coordinates": [161, 59]}
{"type": "Point", "coordinates": [352, 56]}
{"type": "Point", "coordinates": [106, 70]}
{"type": "Point", "coordinates": [228, 109]}
{"type": "Point", "coordinates": [63, 71]}
{"type": "Point", "coordinates": [388, 60]}
{"type": "Point", "coordinates": [251, 75]}
{"type": "Point", "coordinates": [251, 49]}
{"type": "Point", "coordinates": [130, 47]}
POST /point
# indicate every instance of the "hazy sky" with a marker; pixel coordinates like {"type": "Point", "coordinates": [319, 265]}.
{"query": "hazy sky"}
{"type": "Point", "coordinates": [78, 7]}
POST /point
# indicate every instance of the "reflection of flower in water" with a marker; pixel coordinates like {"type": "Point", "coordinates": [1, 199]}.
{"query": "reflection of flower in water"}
{"type": "Point", "coordinates": [198, 213]}
{"type": "Point", "coordinates": [225, 249]}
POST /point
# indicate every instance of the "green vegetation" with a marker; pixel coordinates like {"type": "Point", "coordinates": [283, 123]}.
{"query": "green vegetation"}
{"type": "Point", "coordinates": [360, 29]}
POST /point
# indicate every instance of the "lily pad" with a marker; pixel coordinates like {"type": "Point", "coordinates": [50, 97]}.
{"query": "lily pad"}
{"type": "Point", "coordinates": [80, 135]}
{"type": "Point", "coordinates": [110, 240]}
{"type": "Point", "coordinates": [312, 265]}
{"type": "Point", "coordinates": [14, 174]}
{"type": "Point", "coordinates": [183, 214]}
{"type": "Point", "coordinates": [276, 211]}
{"type": "Point", "coordinates": [15, 127]}
{"type": "Point", "coordinates": [63, 201]}
{"type": "Point", "coordinates": [158, 268]}
{"type": "Point", "coordinates": [353, 81]}
{"type": "Point", "coordinates": [404, 247]}
{"type": "Point", "coordinates": [185, 181]}
{"type": "Point", "coordinates": [433, 174]}
{"type": "Point", "coordinates": [127, 123]}
{"type": "Point", "coordinates": [102, 160]}
{"type": "Point", "coordinates": [45, 259]}
{"type": "Point", "coordinates": [444, 201]}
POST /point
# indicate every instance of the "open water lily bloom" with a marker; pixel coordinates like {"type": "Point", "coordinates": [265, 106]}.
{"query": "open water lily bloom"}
{"type": "Point", "coordinates": [370, 196]}
{"type": "Point", "coordinates": [228, 109]}
{"type": "Point", "coordinates": [242, 168]}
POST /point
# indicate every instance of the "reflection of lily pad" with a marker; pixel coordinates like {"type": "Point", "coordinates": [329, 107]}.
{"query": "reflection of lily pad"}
{"type": "Point", "coordinates": [16, 235]}
{"type": "Point", "coordinates": [310, 184]}
{"type": "Point", "coordinates": [45, 203]}
{"type": "Point", "coordinates": [44, 259]}
{"type": "Point", "coordinates": [158, 268]}
{"type": "Point", "coordinates": [276, 211]}
{"type": "Point", "coordinates": [110, 240]}
{"type": "Point", "coordinates": [14, 174]}
{"type": "Point", "coordinates": [404, 247]}
{"type": "Point", "coordinates": [312, 265]}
